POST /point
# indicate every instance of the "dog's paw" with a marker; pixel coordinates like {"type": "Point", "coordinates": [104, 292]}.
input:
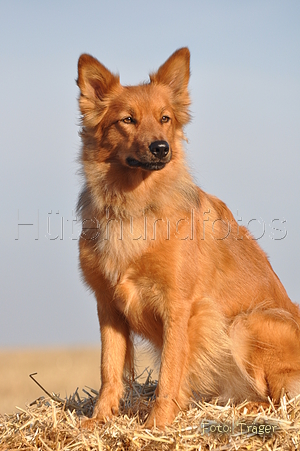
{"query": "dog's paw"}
{"type": "Point", "coordinates": [103, 412]}
{"type": "Point", "coordinates": [162, 414]}
{"type": "Point", "coordinates": [88, 424]}
{"type": "Point", "coordinates": [91, 423]}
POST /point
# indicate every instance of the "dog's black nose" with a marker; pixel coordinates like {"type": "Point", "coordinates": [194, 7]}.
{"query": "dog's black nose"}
{"type": "Point", "coordinates": [160, 149]}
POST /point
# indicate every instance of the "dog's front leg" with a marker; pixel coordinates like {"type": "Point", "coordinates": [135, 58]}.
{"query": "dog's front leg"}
{"type": "Point", "coordinates": [170, 395]}
{"type": "Point", "coordinates": [116, 348]}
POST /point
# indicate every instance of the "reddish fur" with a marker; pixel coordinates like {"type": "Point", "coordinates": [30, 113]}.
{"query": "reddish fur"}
{"type": "Point", "coordinates": [187, 277]}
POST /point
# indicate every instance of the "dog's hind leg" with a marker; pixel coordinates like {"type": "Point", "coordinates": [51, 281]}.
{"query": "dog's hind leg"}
{"type": "Point", "coordinates": [266, 347]}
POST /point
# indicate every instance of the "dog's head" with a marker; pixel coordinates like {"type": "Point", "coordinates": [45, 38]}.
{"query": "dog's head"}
{"type": "Point", "coordinates": [136, 127]}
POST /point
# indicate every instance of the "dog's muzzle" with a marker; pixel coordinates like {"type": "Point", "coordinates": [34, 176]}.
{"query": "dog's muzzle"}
{"type": "Point", "coordinates": [161, 152]}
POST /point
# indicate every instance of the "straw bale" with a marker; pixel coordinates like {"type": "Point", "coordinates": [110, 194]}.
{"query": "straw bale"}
{"type": "Point", "coordinates": [52, 423]}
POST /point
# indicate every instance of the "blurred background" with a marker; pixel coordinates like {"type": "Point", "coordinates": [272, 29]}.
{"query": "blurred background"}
{"type": "Point", "coordinates": [243, 147]}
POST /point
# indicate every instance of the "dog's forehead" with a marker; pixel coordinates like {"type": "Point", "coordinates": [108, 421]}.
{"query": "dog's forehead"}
{"type": "Point", "coordinates": [145, 96]}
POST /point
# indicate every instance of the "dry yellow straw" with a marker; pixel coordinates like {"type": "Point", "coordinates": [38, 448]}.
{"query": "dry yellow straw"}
{"type": "Point", "coordinates": [53, 423]}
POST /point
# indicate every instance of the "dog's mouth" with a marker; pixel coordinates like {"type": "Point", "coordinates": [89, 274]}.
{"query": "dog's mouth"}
{"type": "Point", "coordinates": [148, 166]}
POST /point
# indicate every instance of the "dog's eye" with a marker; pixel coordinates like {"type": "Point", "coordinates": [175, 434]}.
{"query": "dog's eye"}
{"type": "Point", "coordinates": [128, 120]}
{"type": "Point", "coordinates": [165, 119]}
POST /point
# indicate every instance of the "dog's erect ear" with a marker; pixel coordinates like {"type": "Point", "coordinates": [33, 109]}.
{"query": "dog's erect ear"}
{"type": "Point", "coordinates": [175, 73]}
{"type": "Point", "coordinates": [95, 82]}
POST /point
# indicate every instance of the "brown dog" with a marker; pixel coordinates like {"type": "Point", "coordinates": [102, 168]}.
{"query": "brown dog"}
{"type": "Point", "coordinates": [168, 261]}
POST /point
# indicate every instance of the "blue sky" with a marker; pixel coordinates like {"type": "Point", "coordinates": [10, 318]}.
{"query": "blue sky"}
{"type": "Point", "coordinates": [243, 139]}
